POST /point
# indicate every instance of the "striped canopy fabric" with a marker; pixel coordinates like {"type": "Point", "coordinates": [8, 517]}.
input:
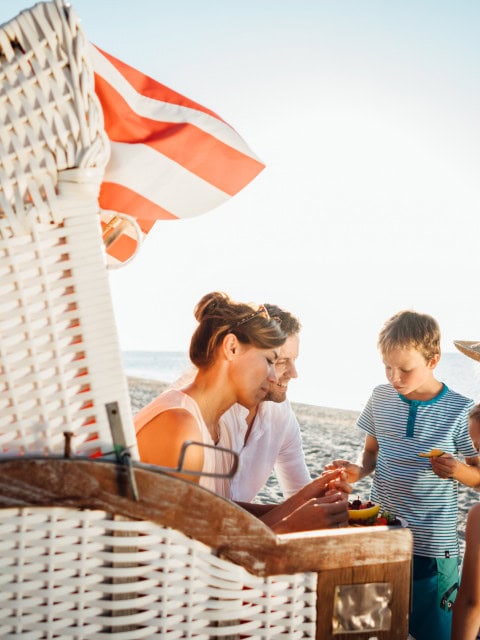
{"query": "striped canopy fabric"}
{"type": "Point", "coordinates": [170, 157]}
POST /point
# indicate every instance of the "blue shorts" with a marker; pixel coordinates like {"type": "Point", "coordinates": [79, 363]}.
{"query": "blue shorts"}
{"type": "Point", "coordinates": [435, 586]}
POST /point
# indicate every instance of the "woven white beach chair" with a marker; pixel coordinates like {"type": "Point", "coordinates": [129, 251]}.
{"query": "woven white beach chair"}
{"type": "Point", "coordinates": [92, 547]}
{"type": "Point", "coordinates": [60, 359]}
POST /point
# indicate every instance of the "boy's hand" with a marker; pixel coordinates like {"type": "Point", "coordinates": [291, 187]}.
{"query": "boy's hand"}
{"type": "Point", "coordinates": [352, 471]}
{"type": "Point", "coordinates": [444, 466]}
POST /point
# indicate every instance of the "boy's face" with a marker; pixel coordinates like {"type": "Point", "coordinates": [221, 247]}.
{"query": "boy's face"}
{"type": "Point", "coordinates": [409, 373]}
{"type": "Point", "coordinates": [474, 429]}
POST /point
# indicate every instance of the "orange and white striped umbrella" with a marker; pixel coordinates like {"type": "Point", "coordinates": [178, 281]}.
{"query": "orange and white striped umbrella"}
{"type": "Point", "coordinates": [170, 157]}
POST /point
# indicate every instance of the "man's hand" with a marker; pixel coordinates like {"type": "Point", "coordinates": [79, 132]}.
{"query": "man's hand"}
{"type": "Point", "coordinates": [324, 506]}
{"type": "Point", "coordinates": [318, 513]}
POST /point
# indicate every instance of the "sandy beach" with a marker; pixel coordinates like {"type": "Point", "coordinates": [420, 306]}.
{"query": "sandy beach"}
{"type": "Point", "coordinates": [327, 434]}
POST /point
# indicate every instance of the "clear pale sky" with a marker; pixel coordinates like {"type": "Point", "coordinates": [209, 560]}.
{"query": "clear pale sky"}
{"type": "Point", "coordinates": [367, 115]}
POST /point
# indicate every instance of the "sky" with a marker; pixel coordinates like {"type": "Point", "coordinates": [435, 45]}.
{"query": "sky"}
{"type": "Point", "coordinates": [367, 116]}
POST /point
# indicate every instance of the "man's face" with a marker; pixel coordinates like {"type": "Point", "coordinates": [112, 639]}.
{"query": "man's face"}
{"type": "Point", "coordinates": [285, 369]}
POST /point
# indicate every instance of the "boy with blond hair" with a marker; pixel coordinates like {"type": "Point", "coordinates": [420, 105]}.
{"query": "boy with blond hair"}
{"type": "Point", "coordinates": [412, 414]}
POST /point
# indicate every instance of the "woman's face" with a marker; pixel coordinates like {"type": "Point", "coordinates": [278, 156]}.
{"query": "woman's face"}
{"type": "Point", "coordinates": [253, 371]}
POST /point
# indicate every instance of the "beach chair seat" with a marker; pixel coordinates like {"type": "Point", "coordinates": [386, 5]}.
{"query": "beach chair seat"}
{"type": "Point", "coordinates": [81, 559]}
{"type": "Point", "coordinates": [85, 573]}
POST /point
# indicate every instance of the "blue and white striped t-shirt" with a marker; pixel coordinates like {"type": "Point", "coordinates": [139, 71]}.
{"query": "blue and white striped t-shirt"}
{"type": "Point", "coordinates": [404, 483]}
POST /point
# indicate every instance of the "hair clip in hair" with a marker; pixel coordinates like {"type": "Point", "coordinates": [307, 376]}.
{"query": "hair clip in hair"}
{"type": "Point", "coordinates": [261, 311]}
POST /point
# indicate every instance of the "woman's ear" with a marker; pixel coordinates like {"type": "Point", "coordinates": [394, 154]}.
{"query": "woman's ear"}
{"type": "Point", "coordinates": [230, 346]}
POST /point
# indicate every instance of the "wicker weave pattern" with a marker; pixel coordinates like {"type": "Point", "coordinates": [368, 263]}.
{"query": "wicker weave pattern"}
{"type": "Point", "coordinates": [60, 360]}
{"type": "Point", "coordinates": [81, 574]}
{"type": "Point", "coordinates": [50, 117]}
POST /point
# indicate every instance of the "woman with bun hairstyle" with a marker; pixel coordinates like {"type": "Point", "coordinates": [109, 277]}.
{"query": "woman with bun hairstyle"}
{"type": "Point", "coordinates": [234, 348]}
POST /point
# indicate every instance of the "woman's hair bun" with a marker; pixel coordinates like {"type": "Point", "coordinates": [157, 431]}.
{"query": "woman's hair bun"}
{"type": "Point", "coordinates": [210, 304]}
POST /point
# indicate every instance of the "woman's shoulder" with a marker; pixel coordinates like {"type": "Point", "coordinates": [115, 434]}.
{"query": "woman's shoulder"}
{"type": "Point", "coordinates": [171, 398]}
{"type": "Point", "coordinates": [165, 424]}
{"type": "Point", "coordinates": [174, 401]}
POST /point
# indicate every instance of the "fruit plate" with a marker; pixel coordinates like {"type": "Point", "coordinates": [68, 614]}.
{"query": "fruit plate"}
{"type": "Point", "coordinates": [400, 522]}
{"type": "Point", "coordinates": [371, 514]}
{"type": "Point", "coordinates": [365, 511]}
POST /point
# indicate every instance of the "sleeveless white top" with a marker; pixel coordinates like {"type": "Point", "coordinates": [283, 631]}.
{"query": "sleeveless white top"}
{"type": "Point", "coordinates": [214, 460]}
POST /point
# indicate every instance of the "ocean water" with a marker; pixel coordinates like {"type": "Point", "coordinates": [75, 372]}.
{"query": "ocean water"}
{"type": "Point", "coordinates": [455, 369]}
{"type": "Point", "coordinates": [166, 366]}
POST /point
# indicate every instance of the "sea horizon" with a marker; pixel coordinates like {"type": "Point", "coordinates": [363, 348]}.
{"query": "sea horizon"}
{"type": "Point", "coordinates": [454, 369]}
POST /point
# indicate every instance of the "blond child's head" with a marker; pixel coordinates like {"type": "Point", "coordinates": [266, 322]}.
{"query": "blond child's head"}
{"type": "Point", "coordinates": [411, 330]}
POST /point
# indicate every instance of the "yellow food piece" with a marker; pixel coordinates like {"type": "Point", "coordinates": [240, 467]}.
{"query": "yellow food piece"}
{"type": "Point", "coordinates": [363, 514]}
{"type": "Point", "coordinates": [434, 453]}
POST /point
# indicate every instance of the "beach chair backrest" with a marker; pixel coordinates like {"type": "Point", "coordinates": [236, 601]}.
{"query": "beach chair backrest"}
{"type": "Point", "coordinates": [60, 360]}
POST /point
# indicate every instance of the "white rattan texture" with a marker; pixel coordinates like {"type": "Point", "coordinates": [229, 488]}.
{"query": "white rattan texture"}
{"type": "Point", "coordinates": [50, 117]}
{"type": "Point", "coordinates": [60, 360]}
{"type": "Point", "coordinates": [67, 573]}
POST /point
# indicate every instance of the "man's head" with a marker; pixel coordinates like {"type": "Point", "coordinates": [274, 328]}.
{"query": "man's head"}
{"type": "Point", "coordinates": [285, 365]}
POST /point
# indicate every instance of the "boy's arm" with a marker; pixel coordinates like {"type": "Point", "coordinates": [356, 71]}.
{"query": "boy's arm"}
{"type": "Point", "coordinates": [369, 456]}
{"type": "Point", "coordinates": [467, 473]}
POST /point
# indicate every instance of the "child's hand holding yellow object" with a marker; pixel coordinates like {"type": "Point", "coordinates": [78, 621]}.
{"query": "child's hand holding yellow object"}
{"type": "Point", "coordinates": [434, 453]}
